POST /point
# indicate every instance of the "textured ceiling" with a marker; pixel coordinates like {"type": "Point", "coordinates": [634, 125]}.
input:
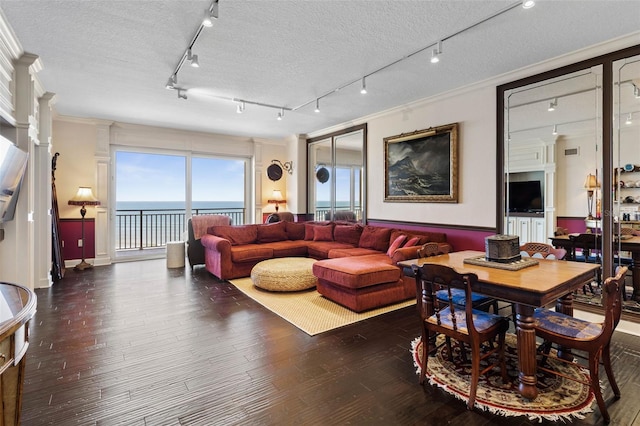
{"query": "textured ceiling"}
{"type": "Point", "coordinates": [111, 59]}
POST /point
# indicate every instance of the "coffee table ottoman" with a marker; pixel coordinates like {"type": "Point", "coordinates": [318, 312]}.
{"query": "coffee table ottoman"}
{"type": "Point", "coordinates": [284, 274]}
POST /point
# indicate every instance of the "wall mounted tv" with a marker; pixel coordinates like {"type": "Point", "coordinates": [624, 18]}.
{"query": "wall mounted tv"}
{"type": "Point", "coordinates": [525, 196]}
{"type": "Point", "coordinates": [13, 163]}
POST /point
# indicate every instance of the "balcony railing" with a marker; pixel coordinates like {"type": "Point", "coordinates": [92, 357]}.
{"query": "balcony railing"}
{"type": "Point", "coordinates": [143, 229]}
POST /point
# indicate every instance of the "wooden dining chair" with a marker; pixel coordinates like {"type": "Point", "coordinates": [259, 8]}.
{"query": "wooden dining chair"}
{"type": "Point", "coordinates": [542, 251]}
{"type": "Point", "coordinates": [592, 338]}
{"type": "Point", "coordinates": [479, 301]}
{"type": "Point", "coordinates": [590, 245]}
{"type": "Point", "coordinates": [464, 324]}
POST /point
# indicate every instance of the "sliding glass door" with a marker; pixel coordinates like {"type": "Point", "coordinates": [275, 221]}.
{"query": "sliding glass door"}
{"type": "Point", "coordinates": [156, 192]}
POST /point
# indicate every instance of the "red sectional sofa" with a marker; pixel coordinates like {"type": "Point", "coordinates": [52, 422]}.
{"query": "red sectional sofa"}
{"type": "Point", "coordinates": [356, 266]}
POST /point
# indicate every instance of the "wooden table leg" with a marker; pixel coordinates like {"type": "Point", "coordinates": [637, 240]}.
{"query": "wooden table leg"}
{"type": "Point", "coordinates": [635, 255]}
{"type": "Point", "coordinates": [526, 352]}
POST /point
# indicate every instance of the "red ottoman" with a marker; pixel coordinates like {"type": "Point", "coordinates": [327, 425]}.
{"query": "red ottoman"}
{"type": "Point", "coordinates": [362, 282]}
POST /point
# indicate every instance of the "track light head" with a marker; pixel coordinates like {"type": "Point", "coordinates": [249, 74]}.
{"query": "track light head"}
{"type": "Point", "coordinates": [435, 53]}
{"type": "Point", "coordinates": [363, 89]}
{"type": "Point", "coordinates": [317, 105]}
{"type": "Point", "coordinates": [555, 130]}
{"type": "Point", "coordinates": [553, 104]}
{"type": "Point", "coordinates": [211, 15]}
{"type": "Point", "coordinates": [182, 94]}
{"type": "Point", "coordinates": [280, 114]}
{"type": "Point", "coordinates": [629, 119]}
{"type": "Point", "coordinates": [528, 4]}
{"type": "Point", "coordinates": [171, 83]}
{"type": "Point", "coordinates": [193, 59]}
{"type": "Point", "coordinates": [636, 91]}
{"type": "Point", "coordinates": [240, 108]}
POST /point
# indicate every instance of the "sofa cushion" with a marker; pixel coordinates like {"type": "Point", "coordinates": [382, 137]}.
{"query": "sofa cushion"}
{"type": "Point", "coordinates": [237, 235]}
{"type": "Point", "coordinates": [375, 238]}
{"type": "Point", "coordinates": [309, 229]}
{"type": "Point", "coordinates": [250, 252]}
{"type": "Point", "coordinates": [320, 249]}
{"type": "Point", "coordinates": [288, 248]}
{"type": "Point", "coordinates": [294, 230]}
{"type": "Point", "coordinates": [348, 234]}
{"type": "Point", "coordinates": [358, 271]}
{"type": "Point", "coordinates": [270, 232]}
{"type": "Point", "coordinates": [396, 244]}
{"type": "Point", "coordinates": [323, 233]}
{"type": "Point", "coordinates": [346, 252]}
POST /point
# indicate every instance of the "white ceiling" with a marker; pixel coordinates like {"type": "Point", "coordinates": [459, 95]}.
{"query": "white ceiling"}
{"type": "Point", "coordinates": [111, 59]}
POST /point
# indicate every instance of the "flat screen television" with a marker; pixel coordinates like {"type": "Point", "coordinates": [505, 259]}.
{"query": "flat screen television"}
{"type": "Point", "coordinates": [525, 196]}
{"type": "Point", "coordinates": [13, 164]}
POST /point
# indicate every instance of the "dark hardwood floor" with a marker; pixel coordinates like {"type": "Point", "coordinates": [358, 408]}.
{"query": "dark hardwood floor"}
{"type": "Point", "coordinates": [137, 344]}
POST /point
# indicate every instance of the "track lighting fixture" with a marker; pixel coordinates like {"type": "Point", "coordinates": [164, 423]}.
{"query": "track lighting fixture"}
{"type": "Point", "coordinates": [317, 105]}
{"type": "Point", "coordinates": [182, 94]}
{"type": "Point", "coordinates": [240, 108]}
{"type": "Point", "coordinates": [435, 53]}
{"type": "Point", "coordinates": [280, 114]}
{"type": "Point", "coordinates": [636, 91]}
{"type": "Point", "coordinates": [193, 59]}
{"type": "Point", "coordinates": [629, 119]}
{"type": "Point", "coordinates": [553, 104]}
{"type": "Point", "coordinates": [363, 90]}
{"type": "Point", "coordinates": [555, 130]}
{"type": "Point", "coordinates": [171, 83]}
{"type": "Point", "coordinates": [211, 15]}
{"type": "Point", "coordinates": [528, 4]}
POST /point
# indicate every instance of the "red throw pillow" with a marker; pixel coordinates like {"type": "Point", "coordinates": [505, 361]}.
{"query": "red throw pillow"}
{"type": "Point", "coordinates": [348, 234]}
{"type": "Point", "coordinates": [323, 233]}
{"type": "Point", "coordinates": [395, 244]}
{"type": "Point", "coordinates": [309, 227]}
{"type": "Point", "coordinates": [375, 238]}
{"type": "Point", "coordinates": [412, 242]}
{"type": "Point", "coordinates": [271, 232]}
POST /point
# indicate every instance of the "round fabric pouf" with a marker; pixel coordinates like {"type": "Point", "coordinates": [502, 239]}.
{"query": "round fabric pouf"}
{"type": "Point", "coordinates": [284, 274]}
{"type": "Point", "coordinates": [175, 254]}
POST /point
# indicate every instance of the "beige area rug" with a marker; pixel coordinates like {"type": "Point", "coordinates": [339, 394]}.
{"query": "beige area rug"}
{"type": "Point", "coordinates": [307, 309]}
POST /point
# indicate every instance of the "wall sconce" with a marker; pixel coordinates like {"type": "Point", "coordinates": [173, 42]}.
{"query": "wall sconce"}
{"type": "Point", "coordinates": [277, 199]}
{"type": "Point", "coordinates": [591, 184]}
{"type": "Point", "coordinates": [274, 171]}
{"type": "Point", "coordinates": [84, 197]}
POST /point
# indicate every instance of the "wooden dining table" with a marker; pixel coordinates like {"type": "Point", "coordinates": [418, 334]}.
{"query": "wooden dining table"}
{"type": "Point", "coordinates": [535, 286]}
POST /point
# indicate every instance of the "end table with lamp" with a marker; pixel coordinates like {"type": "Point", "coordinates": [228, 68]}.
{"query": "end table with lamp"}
{"type": "Point", "coordinates": [84, 197]}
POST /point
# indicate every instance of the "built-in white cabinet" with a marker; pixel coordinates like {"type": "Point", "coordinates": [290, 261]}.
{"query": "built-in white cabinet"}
{"type": "Point", "coordinates": [527, 228]}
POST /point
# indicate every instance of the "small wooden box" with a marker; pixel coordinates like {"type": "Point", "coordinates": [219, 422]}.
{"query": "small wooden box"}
{"type": "Point", "coordinates": [502, 248]}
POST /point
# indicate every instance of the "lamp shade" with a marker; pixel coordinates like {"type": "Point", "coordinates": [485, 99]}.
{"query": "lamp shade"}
{"type": "Point", "coordinates": [84, 197]}
{"type": "Point", "coordinates": [591, 183]}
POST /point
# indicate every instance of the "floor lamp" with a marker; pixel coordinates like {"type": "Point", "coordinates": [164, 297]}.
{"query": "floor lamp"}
{"type": "Point", "coordinates": [84, 197]}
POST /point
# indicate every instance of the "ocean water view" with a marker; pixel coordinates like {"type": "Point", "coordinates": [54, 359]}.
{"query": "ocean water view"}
{"type": "Point", "coordinates": [171, 205]}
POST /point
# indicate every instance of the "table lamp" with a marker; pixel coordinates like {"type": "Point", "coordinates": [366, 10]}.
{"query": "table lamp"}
{"type": "Point", "coordinates": [591, 184]}
{"type": "Point", "coordinates": [84, 197]}
{"type": "Point", "coordinates": [277, 198]}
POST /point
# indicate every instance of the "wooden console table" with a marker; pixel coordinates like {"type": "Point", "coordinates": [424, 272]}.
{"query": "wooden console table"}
{"type": "Point", "coordinates": [17, 307]}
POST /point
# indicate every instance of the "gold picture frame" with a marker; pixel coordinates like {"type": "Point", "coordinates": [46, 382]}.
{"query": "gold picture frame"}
{"type": "Point", "coordinates": [422, 166]}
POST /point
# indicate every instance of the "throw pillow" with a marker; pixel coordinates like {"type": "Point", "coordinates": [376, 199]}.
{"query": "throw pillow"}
{"type": "Point", "coordinates": [237, 235]}
{"type": "Point", "coordinates": [348, 234]}
{"type": "Point", "coordinates": [308, 229]}
{"type": "Point", "coordinates": [375, 238]}
{"type": "Point", "coordinates": [295, 230]}
{"type": "Point", "coordinates": [271, 232]}
{"type": "Point", "coordinates": [395, 244]}
{"type": "Point", "coordinates": [323, 233]}
{"type": "Point", "coordinates": [412, 242]}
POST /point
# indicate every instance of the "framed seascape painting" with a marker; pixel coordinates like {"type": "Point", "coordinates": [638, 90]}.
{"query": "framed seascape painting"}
{"type": "Point", "coordinates": [422, 166]}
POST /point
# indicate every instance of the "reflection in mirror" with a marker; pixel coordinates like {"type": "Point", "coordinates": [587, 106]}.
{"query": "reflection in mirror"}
{"type": "Point", "coordinates": [336, 180]}
{"type": "Point", "coordinates": [626, 170]}
{"type": "Point", "coordinates": [552, 144]}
